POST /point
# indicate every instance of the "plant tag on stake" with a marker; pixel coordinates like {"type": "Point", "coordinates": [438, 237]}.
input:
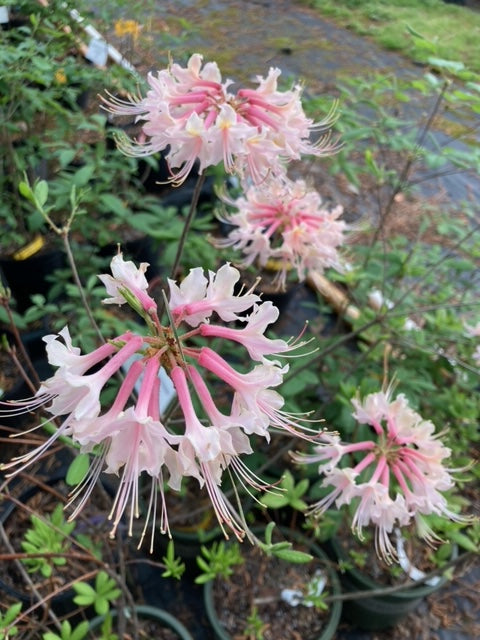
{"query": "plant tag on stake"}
{"type": "Point", "coordinates": [294, 597]}
{"type": "Point", "coordinates": [407, 566]}
{"type": "Point", "coordinates": [4, 17]}
{"type": "Point", "coordinates": [97, 52]}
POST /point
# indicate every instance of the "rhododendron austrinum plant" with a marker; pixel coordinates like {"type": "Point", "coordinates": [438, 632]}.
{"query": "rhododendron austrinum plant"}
{"type": "Point", "coordinates": [391, 478]}
{"type": "Point", "coordinates": [285, 220]}
{"type": "Point", "coordinates": [396, 476]}
{"type": "Point", "coordinates": [130, 437]}
{"type": "Point", "coordinates": [192, 112]}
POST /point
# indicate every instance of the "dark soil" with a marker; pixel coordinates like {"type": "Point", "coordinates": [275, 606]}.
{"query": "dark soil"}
{"type": "Point", "coordinates": [9, 375]}
{"type": "Point", "coordinates": [256, 585]}
{"type": "Point", "coordinates": [79, 563]}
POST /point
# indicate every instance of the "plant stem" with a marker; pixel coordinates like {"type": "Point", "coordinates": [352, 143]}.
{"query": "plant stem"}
{"type": "Point", "coordinates": [21, 348]}
{"type": "Point", "coordinates": [402, 180]}
{"type": "Point", "coordinates": [332, 347]}
{"type": "Point", "coordinates": [188, 223]}
{"type": "Point", "coordinates": [78, 282]}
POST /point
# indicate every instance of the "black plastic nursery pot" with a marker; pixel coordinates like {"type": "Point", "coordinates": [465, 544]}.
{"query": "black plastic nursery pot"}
{"type": "Point", "coordinates": [26, 277]}
{"type": "Point", "coordinates": [380, 611]}
{"type": "Point", "coordinates": [330, 624]}
{"type": "Point", "coordinates": [162, 618]}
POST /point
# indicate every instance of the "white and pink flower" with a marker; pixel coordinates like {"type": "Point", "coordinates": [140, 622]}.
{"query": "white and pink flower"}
{"type": "Point", "coordinates": [127, 282]}
{"type": "Point", "coordinates": [392, 479]}
{"type": "Point", "coordinates": [192, 112]}
{"type": "Point", "coordinates": [130, 438]}
{"type": "Point", "coordinates": [285, 221]}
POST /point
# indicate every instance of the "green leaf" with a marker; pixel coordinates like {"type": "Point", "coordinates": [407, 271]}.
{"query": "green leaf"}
{"type": "Point", "coordinates": [275, 500]}
{"type": "Point", "coordinates": [25, 190]}
{"type": "Point", "coordinates": [66, 629]}
{"type": "Point", "coordinates": [298, 504]}
{"type": "Point", "coordinates": [371, 164]}
{"type": "Point", "coordinates": [66, 156]}
{"type": "Point", "coordinates": [302, 487]}
{"type": "Point", "coordinates": [10, 614]}
{"type": "Point", "coordinates": [83, 176]}
{"type": "Point", "coordinates": [41, 192]}
{"type": "Point", "coordinates": [80, 631]}
{"type": "Point", "coordinates": [463, 541]}
{"type": "Point", "coordinates": [113, 204]}
{"type": "Point", "coordinates": [78, 469]}
{"type": "Point", "coordinates": [292, 555]}
{"type": "Point", "coordinates": [203, 564]}
{"type": "Point", "coordinates": [84, 589]}
{"type": "Point", "coordinates": [84, 600]}
{"type": "Point", "coordinates": [101, 606]}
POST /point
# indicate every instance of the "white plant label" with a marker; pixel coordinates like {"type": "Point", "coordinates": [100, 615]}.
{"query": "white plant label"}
{"type": "Point", "coordinates": [97, 52]}
{"type": "Point", "coordinates": [4, 18]}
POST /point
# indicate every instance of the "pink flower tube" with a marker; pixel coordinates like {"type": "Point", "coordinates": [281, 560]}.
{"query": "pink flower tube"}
{"type": "Point", "coordinates": [129, 437]}
{"type": "Point", "coordinates": [392, 479]}
{"type": "Point", "coordinates": [192, 112]}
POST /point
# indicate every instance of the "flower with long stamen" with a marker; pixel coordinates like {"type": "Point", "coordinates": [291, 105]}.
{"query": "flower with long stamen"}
{"type": "Point", "coordinates": [129, 437]}
{"type": "Point", "coordinates": [395, 477]}
{"type": "Point", "coordinates": [285, 221]}
{"type": "Point", "coordinates": [192, 112]}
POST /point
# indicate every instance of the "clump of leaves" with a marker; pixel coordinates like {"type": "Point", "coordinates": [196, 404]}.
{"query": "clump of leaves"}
{"type": "Point", "coordinates": [67, 632]}
{"type": "Point", "coordinates": [48, 540]}
{"type": "Point", "coordinates": [359, 558]}
{"type": "Point", "coordinates": [6, 619]}
{"type": "Point", "coordinates": [283, 549]}
{"type": "Point", "coordinates": [218, 560]}
{"type": "Point", "coordinates": [100, 595]}
{"type": "Point", "coordinates": [174, 567]}
{"type": "Point", "coordinates": [289, 494]}
{"type": "Point", "coordinates": [106, 629]}
{"type": "Point", "coordinates": [255, 627]}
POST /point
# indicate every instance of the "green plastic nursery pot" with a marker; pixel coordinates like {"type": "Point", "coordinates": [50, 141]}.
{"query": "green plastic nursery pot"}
{"type": "Point", "coordinates": [381, 611]}
{"type": "Point", "coordinates": [335, 610]}
{"type": "Point", "coordinates": [165, 619]}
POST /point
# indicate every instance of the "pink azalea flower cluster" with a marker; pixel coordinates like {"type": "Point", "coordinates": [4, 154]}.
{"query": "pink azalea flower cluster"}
{"type": "Point", "coordinates": [130, 438]}
{"type": "Point", "coordinates": [285, 221]}
{"type": "Point", "coordinates": [395, 477]}
{"type": "Point", "coordinates": [192, 113]}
